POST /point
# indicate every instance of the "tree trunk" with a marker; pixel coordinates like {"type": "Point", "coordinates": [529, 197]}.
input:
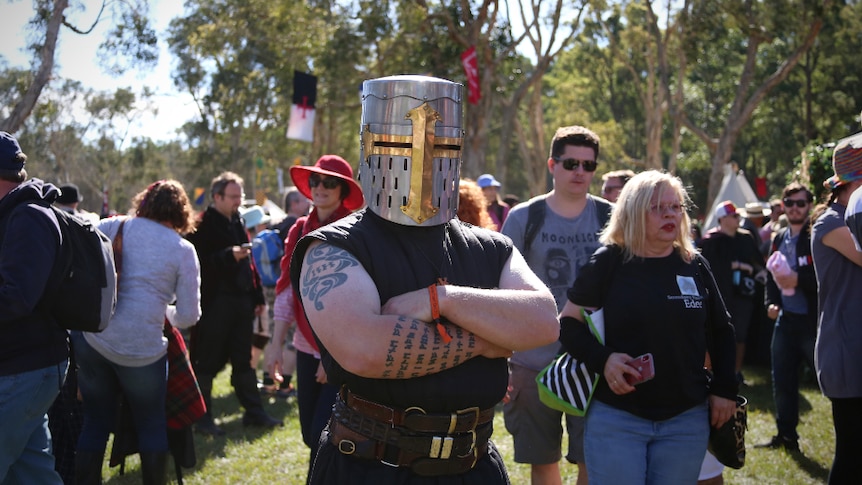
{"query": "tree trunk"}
{"type": "Point", "coordinates": [25, 105]}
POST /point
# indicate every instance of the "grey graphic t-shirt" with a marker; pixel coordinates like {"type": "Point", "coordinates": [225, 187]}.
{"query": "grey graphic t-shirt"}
{"type": "Point", "coordinates": [559, 249]}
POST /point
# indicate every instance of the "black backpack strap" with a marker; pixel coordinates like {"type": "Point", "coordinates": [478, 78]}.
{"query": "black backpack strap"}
{"type": "Point", "coordinates": [535, 217]}
{"type": "Point", "coordinates": [603, 209]}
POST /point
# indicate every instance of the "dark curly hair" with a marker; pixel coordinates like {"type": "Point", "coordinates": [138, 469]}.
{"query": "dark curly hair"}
{"type": "Point", "coordinates": [166, 201]}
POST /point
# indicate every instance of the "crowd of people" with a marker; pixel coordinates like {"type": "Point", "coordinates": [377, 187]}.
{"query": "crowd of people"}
{"type": "Point", "coordinates": [409, 301]}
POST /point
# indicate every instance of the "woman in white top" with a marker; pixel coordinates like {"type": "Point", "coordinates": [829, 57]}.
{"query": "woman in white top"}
{"type": "Point", "coordinates": [160, 278]}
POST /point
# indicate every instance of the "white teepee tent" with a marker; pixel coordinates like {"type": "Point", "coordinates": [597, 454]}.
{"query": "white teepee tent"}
{"type": "Point", "coordinates": [735, 188]}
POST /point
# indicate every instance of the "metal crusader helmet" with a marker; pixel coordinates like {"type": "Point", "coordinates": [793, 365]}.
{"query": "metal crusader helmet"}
{"type": "Point", "coordinates": [410, 160]}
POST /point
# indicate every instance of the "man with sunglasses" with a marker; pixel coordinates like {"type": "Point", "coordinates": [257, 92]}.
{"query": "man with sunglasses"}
{"type": "Point", "coordinates": [557, 233]}
{"type": "Point", "coordinates": [231, 297]}
{"type": "Point", "coordinates": [792, 299]}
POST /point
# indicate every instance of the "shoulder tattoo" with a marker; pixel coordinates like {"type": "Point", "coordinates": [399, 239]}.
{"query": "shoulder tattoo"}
{"type": "Point", "coordinates": [325, 270]}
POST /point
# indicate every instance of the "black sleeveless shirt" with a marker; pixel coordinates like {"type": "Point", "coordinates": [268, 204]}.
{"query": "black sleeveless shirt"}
{"type": "Point", "coordinates": [401, 259]}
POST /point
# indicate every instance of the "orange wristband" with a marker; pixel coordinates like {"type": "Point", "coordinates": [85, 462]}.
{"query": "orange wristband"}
{"type": "Point", "coordinates": [435, 314]}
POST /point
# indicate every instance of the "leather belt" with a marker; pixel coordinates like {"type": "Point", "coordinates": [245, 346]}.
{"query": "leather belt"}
{"type": "Point", "coordinates": [442, 455]}
{"type": "Point", "coordinates": [372, 431]}
{"type": "Point", "coordinates": [416, 419]}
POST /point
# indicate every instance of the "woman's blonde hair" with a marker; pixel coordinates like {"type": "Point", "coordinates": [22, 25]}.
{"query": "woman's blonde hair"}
{"type": "Point", "coordinates": [627, 227]}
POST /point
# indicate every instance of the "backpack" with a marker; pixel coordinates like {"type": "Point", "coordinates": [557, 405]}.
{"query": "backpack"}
{"type": "Point", "coordinates": [267, 251]}
{"type": "Point", "coordinates": [83, 295]}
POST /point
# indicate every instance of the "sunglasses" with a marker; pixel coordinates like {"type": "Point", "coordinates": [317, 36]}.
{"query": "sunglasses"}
{"type": "Point", "coordinates": [573, 163]}
{"type": "Point", "coordinates": [794, 202]}
{"type": "Point", "coordinates": [328, 182]}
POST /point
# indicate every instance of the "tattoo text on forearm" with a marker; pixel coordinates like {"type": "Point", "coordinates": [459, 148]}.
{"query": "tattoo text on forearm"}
{"type": "Point", "coordinates": [416, 349]}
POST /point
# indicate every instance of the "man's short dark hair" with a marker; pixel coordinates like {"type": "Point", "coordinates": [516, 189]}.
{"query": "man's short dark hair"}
{"type": "Point", "coordinates": [796, 187]}
{"type": "Point", "coordinates": [221, 181]}
{"type": "Point", "coordinates": [574, 135]}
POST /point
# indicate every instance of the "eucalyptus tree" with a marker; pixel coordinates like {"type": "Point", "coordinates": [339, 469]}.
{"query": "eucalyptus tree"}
{"type": "Point", "coordinates": [630, 31]}
{"type": "Point", "coordinates": [819, 102]}
{"type": "Point", "coordinates": [130, 41]}
{"type": "Point", "coordinates": [549, 29]}
{"type": "Point", "coordinates": [509, 81]}
{"type": "Point", "coordinates": [730, 78]}
{"type": "Point", "coordinates": [237, 60]}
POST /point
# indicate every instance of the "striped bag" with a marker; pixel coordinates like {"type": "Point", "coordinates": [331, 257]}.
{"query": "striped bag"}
{"type": "Point", "coordinates": [565, 384]}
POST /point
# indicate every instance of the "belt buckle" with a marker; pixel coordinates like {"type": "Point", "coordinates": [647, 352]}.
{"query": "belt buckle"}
{"type": "Point", "coordinates": [414, 408]}
{"type": "Point", "coordinates": [453, 418]}
{"type": "Point", "coordinates": [347, 447]}
{"type": "Point", "coordinates": [472, 449]}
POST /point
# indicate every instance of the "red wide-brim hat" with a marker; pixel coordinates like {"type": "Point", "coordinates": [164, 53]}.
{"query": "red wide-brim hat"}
{"type": "Point", "coordinates": [331, 166]}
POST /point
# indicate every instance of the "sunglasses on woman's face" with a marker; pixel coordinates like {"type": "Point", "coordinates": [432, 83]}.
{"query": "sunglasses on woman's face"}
{"type": "Point", "coordinates": [573, 163]}
{"type": "Point", "coordinates": [328, 182]}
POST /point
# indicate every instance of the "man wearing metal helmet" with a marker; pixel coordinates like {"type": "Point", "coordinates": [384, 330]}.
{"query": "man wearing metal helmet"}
{"type": "Point", "coordinates": [415, 312]}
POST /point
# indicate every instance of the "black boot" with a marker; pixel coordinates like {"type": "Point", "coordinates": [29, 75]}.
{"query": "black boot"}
{"type": "Point", "coordinates": [258, 417]}
{"type": "Point", "coordinates": [206, 424]}
{"type": "Point", "coordinates": [154, 468]}
{"type": "Point", "coordinates": [88, 467]}
{"type": "Point", "coordinates": [245, 386]}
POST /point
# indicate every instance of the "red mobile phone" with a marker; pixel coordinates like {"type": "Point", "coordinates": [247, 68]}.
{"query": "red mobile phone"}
{"type": "Point", "coordinates": [644, 365]}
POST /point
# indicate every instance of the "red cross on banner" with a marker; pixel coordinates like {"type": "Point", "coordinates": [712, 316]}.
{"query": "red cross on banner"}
{"type": "Point", "coordinates": [301, 125]}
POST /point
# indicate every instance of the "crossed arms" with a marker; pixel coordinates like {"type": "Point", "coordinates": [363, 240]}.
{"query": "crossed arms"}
{"type": "Point", "coordinates": [396, 340]}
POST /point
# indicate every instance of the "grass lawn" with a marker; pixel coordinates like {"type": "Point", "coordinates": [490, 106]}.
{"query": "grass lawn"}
{"type": "Point", "coordinates": [279, 456]}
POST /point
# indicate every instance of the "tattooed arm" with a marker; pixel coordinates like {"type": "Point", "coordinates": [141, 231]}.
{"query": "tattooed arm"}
{"type": "Point", "coordinates": [342, 305]}
{"type": "Point", "coordinates": [519, 315]}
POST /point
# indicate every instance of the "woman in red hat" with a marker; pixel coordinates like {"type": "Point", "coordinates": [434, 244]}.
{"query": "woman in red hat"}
{"type": "Point", "coordinates": [330, 185]}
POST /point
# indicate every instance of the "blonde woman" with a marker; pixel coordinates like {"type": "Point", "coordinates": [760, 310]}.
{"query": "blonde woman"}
{"type": "Point", "coordinates": [659, 300]}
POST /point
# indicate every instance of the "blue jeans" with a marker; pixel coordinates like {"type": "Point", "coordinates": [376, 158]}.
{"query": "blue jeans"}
{"type": "Point", "coordinates": [101, 382]}
{"type": "Point", "coordinates": [25, 443]}
{"type": "Point", "coordinates": [621, 448]}
{"type": "Point", "coordinates": [792, 343]}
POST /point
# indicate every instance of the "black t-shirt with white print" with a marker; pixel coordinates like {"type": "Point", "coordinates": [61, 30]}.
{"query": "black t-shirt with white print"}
{"type": "Point", "coordinates": [660, 306]}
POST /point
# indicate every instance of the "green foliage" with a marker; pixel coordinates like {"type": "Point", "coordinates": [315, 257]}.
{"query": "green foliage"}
{"type": "Point", "coordinates": [131, 39]}
{"type": "Point", "coordinates": [812, 167]}
{"type": "Point", "coordinates": [236, 58]}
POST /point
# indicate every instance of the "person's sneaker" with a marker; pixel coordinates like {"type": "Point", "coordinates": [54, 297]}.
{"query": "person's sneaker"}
{"type": "Point", "coordinates": [208, 427]}
{"type": "Point", "coordinates": [260, 420]}
{"type": "Point", "coordinates": [779, 441]}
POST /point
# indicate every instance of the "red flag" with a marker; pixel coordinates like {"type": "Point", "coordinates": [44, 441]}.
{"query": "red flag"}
{"type": "Point", "coordinates": [471, 69]}
{"type": "Point", "coordinates": [760, 187]}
